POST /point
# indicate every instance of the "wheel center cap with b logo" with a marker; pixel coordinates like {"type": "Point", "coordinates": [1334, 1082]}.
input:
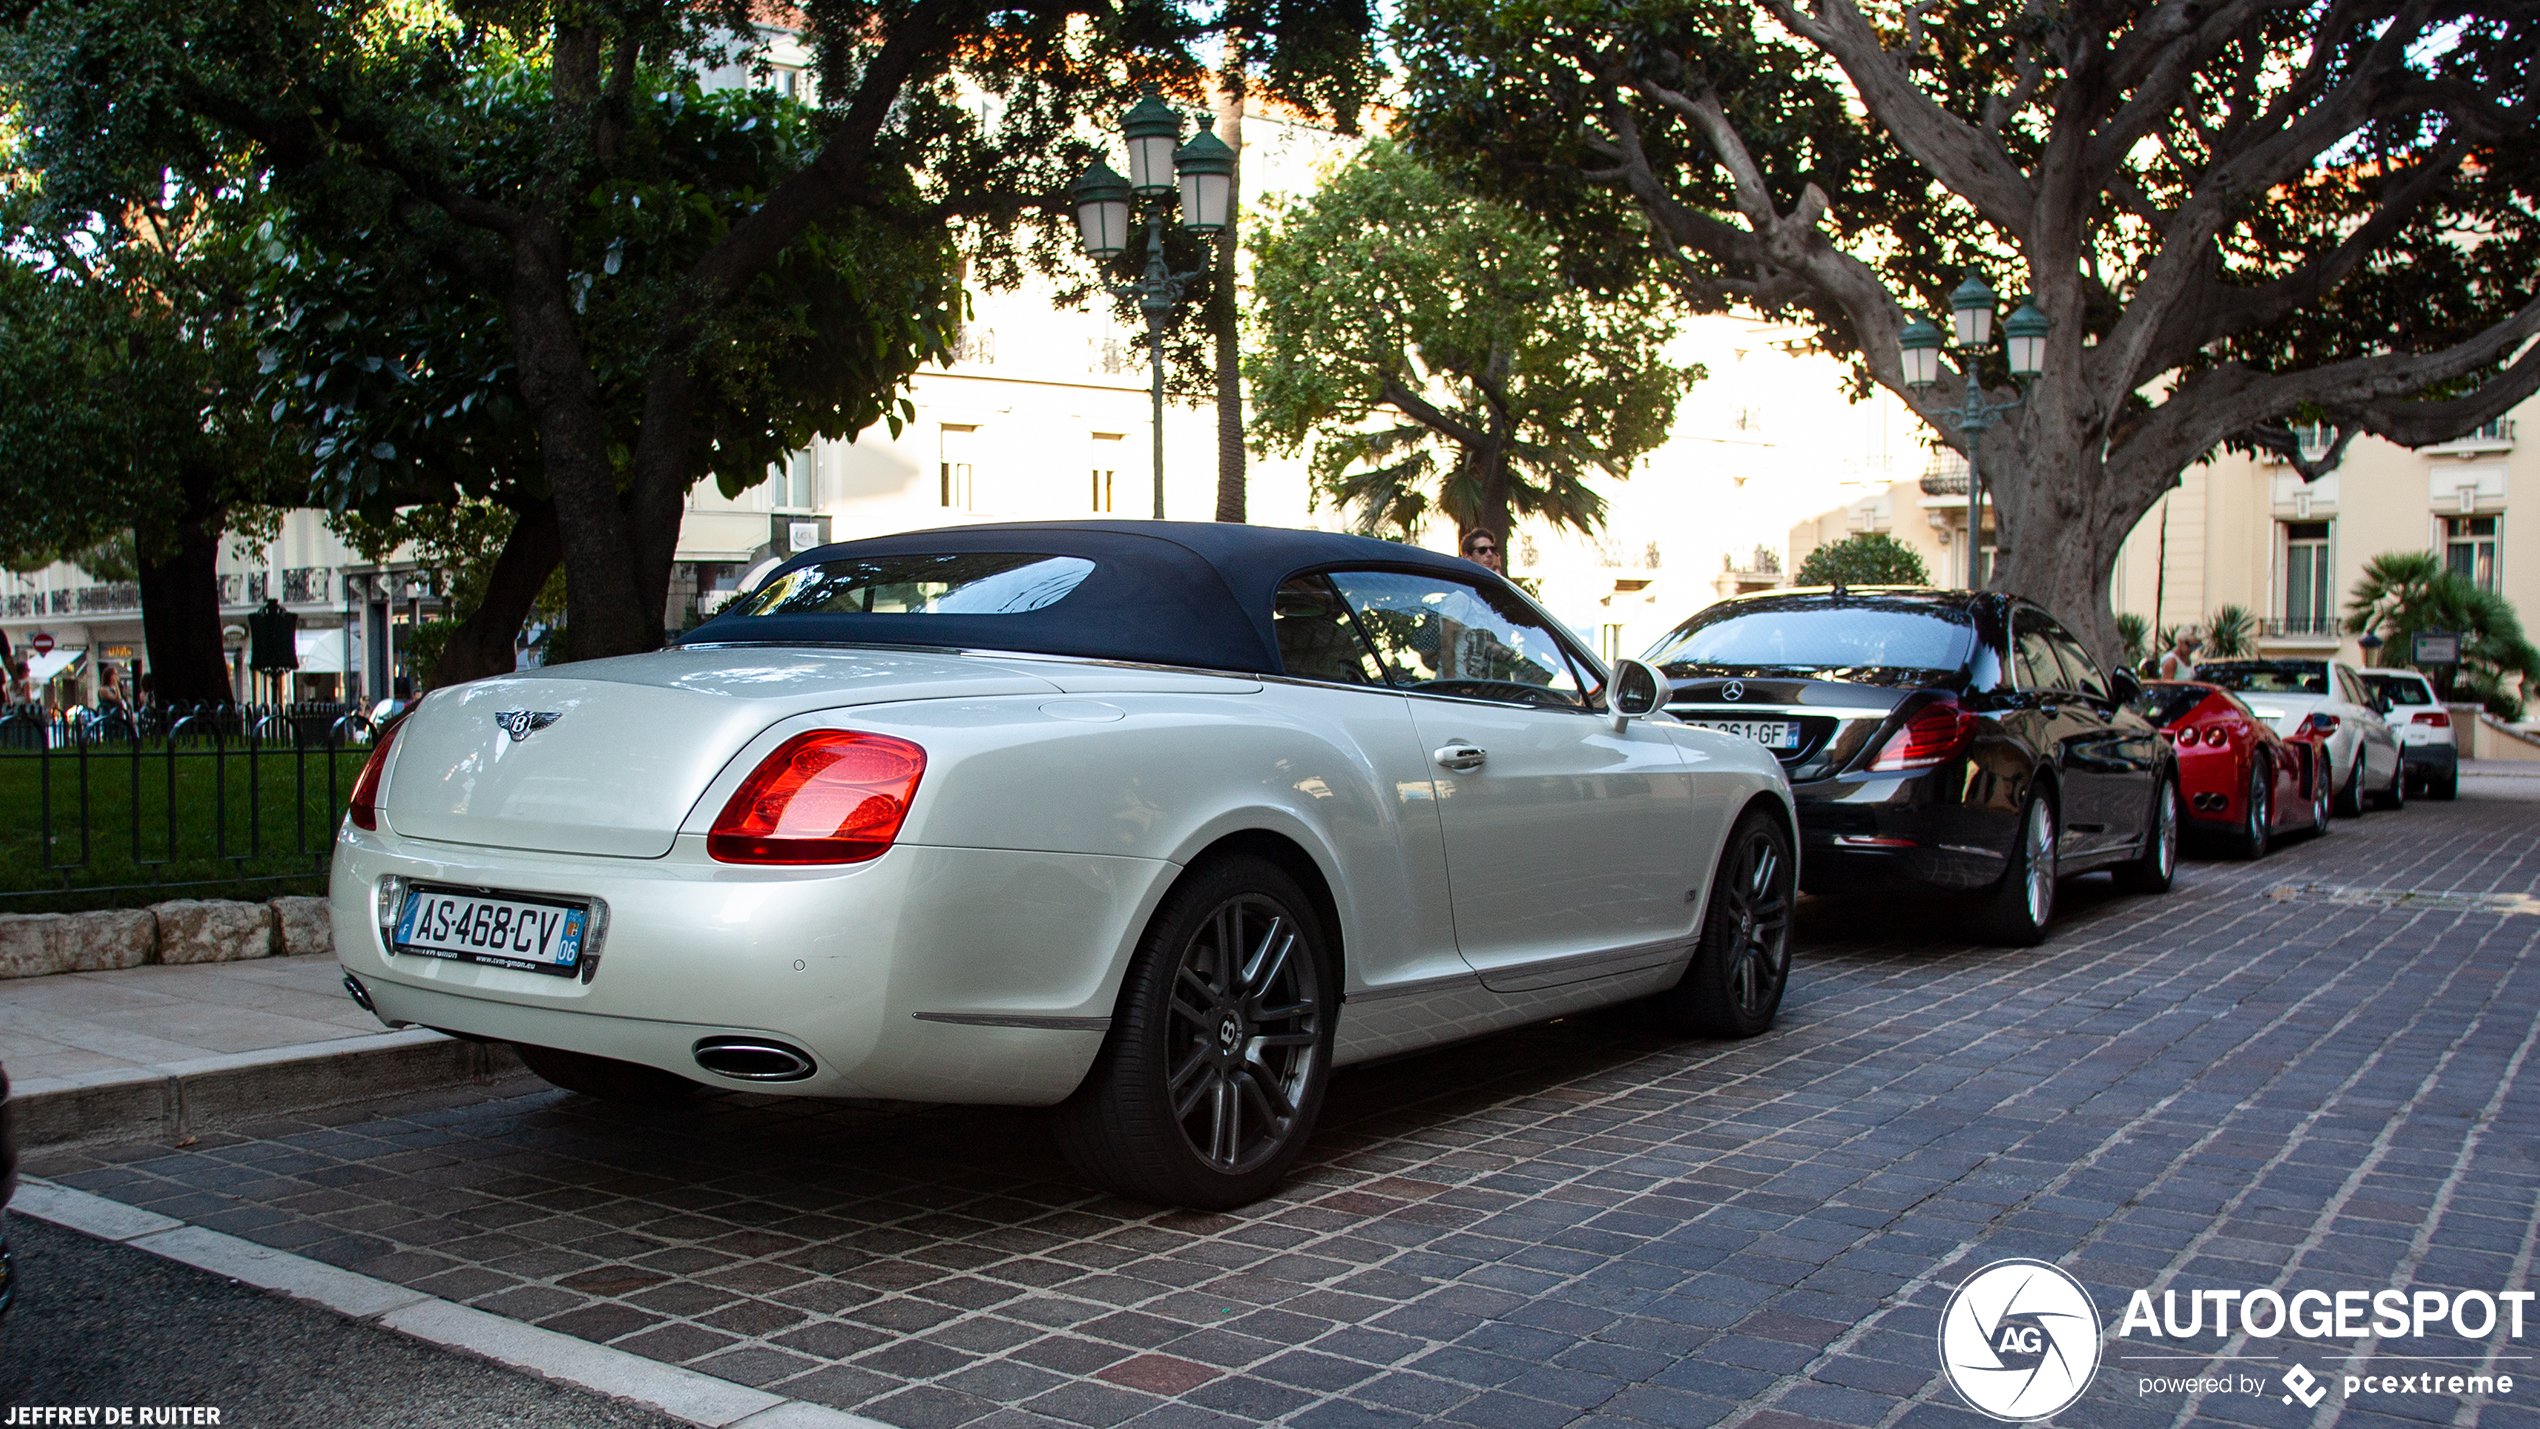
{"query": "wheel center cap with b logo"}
{"type": "Point", "coordinates": [2020, 1340]}
{"type": "Point", "coordinates": [1229, 1032]}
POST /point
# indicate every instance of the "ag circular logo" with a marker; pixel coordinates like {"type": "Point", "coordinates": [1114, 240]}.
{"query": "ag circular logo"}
{"type": "Point", "coordinates": [2019, 1340]}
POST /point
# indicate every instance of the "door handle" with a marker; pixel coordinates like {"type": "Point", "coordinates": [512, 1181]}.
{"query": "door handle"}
{"type": "Point", "coordinates": [1462, 758]}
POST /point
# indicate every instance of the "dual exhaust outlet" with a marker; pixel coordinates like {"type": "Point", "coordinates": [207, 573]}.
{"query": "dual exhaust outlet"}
{"type": "Point", "coordinates": [2211, 801]}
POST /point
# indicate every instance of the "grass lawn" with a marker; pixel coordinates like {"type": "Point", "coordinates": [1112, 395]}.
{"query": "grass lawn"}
{"type": "Point", "coordinates": [228, 824]}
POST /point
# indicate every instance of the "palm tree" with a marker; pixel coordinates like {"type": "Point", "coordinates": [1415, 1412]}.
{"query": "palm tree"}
{"type": "Point", "coordinates": [2134, 635]}
{"type": "Point", "coordinates": [2232, 633]}
{"type": "Point", "coordinates": [2405, 593]}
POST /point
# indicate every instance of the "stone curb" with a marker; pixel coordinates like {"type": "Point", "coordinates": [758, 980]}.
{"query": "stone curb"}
{"type": "Point", "coordinates": [682, 1394]}
{"type": "Point", "coordinates": [182, 930]}
{"type": "Point", "coordinates": [175, 1098]}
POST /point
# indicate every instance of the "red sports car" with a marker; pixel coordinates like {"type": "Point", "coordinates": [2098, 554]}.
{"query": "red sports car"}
{"type": "Point", "coordinates": [2236, 776]}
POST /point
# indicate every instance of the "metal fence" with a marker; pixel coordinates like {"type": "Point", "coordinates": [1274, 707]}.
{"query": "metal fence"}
{"type": "Point", "coordinates": [162, 800]}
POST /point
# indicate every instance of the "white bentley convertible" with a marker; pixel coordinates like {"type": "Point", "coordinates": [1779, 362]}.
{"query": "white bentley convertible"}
{"type": "Point", "coordinates": [1158, 823]}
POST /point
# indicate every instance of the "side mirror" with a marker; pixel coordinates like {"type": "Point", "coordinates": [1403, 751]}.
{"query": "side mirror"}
{"type": "Point", "coordinates": [1640, 688]}
{"type": "Point", "coordinates": [2122, 682]}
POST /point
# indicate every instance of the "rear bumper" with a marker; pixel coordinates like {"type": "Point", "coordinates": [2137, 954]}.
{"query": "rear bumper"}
{"type": "Point", "coordinates": [859, 966]}
{"type": "Point", "coordinates": [1870, 830]}
{"type": "Point", "coordinates": [2436, 760]}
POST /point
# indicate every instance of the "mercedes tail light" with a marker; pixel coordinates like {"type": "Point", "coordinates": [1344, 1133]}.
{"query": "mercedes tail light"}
{"type": "Point", "coordinates": [2320, 722]}
{"type": "Point", "coordinates": [364, 809]}
{"type": "Point", "coordinates": [2436, 718]}
{"type": "Point", "coordinates": [830, 796]}
{"type": "Point", "coordinates": [1936, 734]}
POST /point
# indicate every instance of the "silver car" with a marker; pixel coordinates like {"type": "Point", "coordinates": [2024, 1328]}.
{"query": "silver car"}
{"type": "Point", "coordinates": [2329, 696]}
{"type": "Point", "coordinates": [2424, 729]}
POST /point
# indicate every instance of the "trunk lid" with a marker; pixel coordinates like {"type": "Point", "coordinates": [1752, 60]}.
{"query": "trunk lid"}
{"type": "Point", "coordinates": [632, 742]}
{"type": "Point", "coordinates": [2283, 711]}
{"type": "Point", "coordinates": [1835, 717]}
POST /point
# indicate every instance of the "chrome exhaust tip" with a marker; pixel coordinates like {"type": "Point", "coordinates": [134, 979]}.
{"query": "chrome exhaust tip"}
{"type": "Point", "coordinates": [753, 1059]}
{"type": "Point", "coordinates": [360, 994]}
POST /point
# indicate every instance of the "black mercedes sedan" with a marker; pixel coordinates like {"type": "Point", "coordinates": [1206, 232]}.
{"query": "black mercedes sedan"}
{"type": "Point", "coordinates": [1956, 740]}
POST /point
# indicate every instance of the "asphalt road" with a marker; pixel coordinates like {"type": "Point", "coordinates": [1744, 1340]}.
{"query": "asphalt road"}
{"type": "Point", "coordinates": [102, 1324]}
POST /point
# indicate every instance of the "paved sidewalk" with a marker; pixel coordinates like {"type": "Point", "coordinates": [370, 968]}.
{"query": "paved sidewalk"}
{"type": "Point", "coordinates": [71, 1023]}
{"type": "Point", "coordinates": [174, 1050]}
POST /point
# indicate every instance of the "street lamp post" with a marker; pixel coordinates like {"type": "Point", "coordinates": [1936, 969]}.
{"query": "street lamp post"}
{"type": "Point", "coordinates": [1162, 169]}
{"type": "Point", "coordinates": [1971, 321]}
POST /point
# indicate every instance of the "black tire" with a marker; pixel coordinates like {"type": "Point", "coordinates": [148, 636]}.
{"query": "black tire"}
{"type": "Point", "coordinates": [1226, 1015]}
{"type": "Point", "coordinates": [2350, 795]}
{"type": "Point", "coordinates": [2446, 788]}
{"type": "Point", "coordinates": [2017, 910]}
{"type": "Point", "coordinates": [2320, 770]}
{"type": "Point", "coordinates": [2395, 797]}
{"type": "Point", "coordinates": [605, 1077]}
{"type": "Point", "coordinates": [2257, 820]}
{"type": "Point", "coordinates": [2153, 870]}
{"type": "Point", "coordinates": [1733, 987]}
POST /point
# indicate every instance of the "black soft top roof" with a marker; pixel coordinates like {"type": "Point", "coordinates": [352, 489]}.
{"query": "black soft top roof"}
{"type": "Point", "coordinates": [1161, 592]}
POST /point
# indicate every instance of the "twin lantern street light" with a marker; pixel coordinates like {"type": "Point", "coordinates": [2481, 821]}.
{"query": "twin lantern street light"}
{"type": "Point", "coordinates": [1971, 317]}
{"type": "Point", "coordinates": [1201, 174]}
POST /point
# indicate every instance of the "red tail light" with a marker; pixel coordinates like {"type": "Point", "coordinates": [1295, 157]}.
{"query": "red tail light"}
{"type": "Point", "coordinates": [831, 796]}
{"type": "Point", "coordinates": [2321, 722]}
{"type": "Point", "coordinates": [2436, 718]}
{"type": "Point", "coordinates": [1935, 735]}
{"type": "Point", "coordinates": [364, 809]}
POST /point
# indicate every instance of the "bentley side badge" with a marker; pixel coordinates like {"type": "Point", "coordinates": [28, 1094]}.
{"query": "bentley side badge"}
{"type": "Point", "coordinates": [520, 724]}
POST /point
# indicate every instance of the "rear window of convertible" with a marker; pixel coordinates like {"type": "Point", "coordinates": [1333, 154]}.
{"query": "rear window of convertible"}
{"type": "Point", "coordinates": [970, 583]}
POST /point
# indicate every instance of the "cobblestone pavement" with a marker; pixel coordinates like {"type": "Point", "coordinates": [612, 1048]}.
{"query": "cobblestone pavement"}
{"type": "Point", "coordinates": [2300, 1073]}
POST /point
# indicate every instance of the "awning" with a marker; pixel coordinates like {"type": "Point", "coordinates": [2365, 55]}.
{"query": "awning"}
{"type": "Point", "coordinates": [321, 651]}
{"type": "Point", "coordinates": [41, 668]}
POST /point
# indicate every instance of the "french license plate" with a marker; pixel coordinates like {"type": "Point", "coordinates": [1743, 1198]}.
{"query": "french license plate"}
{"type": "Point", "coordinates": [1770, 733]}
{"type": "Point", "coordinates": [504, 930]}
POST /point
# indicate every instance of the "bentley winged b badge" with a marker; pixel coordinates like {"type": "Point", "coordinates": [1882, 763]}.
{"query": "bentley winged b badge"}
{"type": "Point", "coordinates": [520, 724]}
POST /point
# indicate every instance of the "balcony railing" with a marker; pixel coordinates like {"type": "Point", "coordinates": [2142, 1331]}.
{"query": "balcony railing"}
{"type": "Point", "coordinates": [1945, 483]}
{"type": "Point", "coordinates": [2487, 436]}
{"type": "Point", "coordinates": [2298, 626]}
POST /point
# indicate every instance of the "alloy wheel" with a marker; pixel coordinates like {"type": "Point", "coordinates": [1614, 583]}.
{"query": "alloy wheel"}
{"type": "Point", "coordinates": [1243, 1034]}
{"type": "Point", "coordinates": [2041, 860]}
{"type": "Point", "coordinates": [1756, 909]}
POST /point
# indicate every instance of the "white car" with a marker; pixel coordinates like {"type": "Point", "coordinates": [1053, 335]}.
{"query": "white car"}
{"type": "Point", "coordinates": [1156, 823]}
{"type": "Point", "coordinates": [2424, 730]}
{"type": "Point", "coordinates": [2329, 696]}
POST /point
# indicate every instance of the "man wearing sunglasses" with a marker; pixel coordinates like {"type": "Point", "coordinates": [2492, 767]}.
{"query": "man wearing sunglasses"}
{"type": "Point", "coordinates": [1482, 549]}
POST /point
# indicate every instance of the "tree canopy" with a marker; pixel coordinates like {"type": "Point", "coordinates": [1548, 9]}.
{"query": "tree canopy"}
{"type": "Point", "coordinates": [1431, 352]}
{"type": "Point", "coordinates": [2236, 216]}
{"type": "Point", "coordinates": [1863, 558]}
{"type": "Point", "coordinates": [680, 284]}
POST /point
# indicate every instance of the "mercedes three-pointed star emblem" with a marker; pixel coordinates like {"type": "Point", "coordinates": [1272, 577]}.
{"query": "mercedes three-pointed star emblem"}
{"type": "Point", "coordinates": [1733, 690]}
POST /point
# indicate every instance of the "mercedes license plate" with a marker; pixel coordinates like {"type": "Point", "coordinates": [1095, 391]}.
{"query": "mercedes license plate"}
{"type": "Point", "coordinates": [1770, 733]}
{"type": "Point", "coordinates": [504, 930]}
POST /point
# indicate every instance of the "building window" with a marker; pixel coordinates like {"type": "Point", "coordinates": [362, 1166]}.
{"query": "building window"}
{"type": "Point", "coordinates": [795, 484]}
{"type": "Point", "coordinates": [2470, 548]}
{"type": "Point", "coordinates": [2309, 607]}
{"type": "Point", "coordinates": [1609, 643]}
{"type": "Point", "coordinates": [958, 489]}
{"type": "Point", "coordinates": [1106, 468]}
{"type": "Point", "coordinates": [1102, 489]}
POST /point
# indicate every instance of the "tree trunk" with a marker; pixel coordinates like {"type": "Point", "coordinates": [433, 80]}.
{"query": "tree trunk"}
{"type": "Point", "coordinates": [180, 604]}
{"type": "Point", "coordinates": [604, 603]}
{"type": "Point", "coordinates": [2060, 510]}
{"type": "Point", "coordinates": [483, 644]}
{"type": "Point", "coordinates": [1224, 314]}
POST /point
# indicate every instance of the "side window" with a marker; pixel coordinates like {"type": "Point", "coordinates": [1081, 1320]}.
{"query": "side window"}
{"type": "Point", "coordinates": [2033, 663]}
{"type": "Point", "coordinates": [1441, 636]}
{"type": "Point", "coordinates": [2352, 689]}
{"type": "Point", "coordinates": [1317, 639]}
{"type": "Point", "coordinates": [2079, 668]}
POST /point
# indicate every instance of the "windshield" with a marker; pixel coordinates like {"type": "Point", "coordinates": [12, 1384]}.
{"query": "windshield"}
{"type": "Point", "coordinates": [2165, 705]}
{"type": "Point", "coordinates": [2401, 689]}
{"type": "Point", "coordinates": [2269, 677]}
{"type": "Point", "coordinates": [973, 583]}
{"type": "Point", "coordinates": [1820, 635]}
